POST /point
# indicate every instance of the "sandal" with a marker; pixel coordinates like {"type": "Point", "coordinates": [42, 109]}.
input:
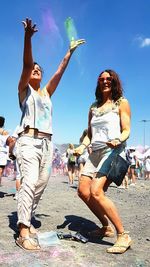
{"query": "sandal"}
{"type": "Point", "coordinates": [28, 243]}
{"type": "Point", "coordinates": [32, 230]}
{"type": "Point", "coordinates": [105, 231]}
{"type": "Point", "coordinates": [33, 233]}
{"type": "Point", "coordinates": [122, 244]}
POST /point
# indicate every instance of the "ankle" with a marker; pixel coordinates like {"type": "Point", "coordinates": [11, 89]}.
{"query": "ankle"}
{"type": "Point", "coordinates": [24, 230]}
{"type": "Point", "coordinates": [123, 233]}
{"type": "Point", "coordinates": [107, 227]}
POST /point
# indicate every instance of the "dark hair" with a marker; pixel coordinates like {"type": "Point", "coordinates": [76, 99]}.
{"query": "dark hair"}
{"type": "Point", "coordinates": [35, 63]}
{"type": "Point", "coordinates": [2, 121]}
{"type": "Point", "coordinates": [117, 90]}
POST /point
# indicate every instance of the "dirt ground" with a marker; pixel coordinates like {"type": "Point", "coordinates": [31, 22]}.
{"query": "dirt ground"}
{"type": "Point", "coordinates": [61, 210]}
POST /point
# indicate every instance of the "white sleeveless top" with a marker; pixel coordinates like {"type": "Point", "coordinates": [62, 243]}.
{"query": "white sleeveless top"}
{"type": "Point", "coordinates": [36, 112]}
{"type": "Point", "coordinates": [105, 126]}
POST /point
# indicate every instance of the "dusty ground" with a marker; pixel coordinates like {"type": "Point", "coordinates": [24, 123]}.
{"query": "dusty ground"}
{"type": "Point", "coordinates": [61, 208]}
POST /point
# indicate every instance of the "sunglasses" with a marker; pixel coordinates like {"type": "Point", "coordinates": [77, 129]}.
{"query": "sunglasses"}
{"type": "Point", "coordinates": [107, 79]}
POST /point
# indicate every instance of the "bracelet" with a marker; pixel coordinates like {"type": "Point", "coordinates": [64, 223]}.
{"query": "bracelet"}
{"type": "Point", "coordinates": [118, 139]}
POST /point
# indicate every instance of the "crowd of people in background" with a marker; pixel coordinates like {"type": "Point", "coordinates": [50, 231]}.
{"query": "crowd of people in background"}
{"type": "Point", "coordinates": [139, 167]}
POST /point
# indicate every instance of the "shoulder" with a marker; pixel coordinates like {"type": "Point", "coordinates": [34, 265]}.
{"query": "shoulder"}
{"type": "Point", "coordinates": [93, 106]}
{"type": "Point", "coordinates": [122, 102]}
{"type": "Point", "coordinates": [124, 107]}
{"type": "Point", "coordinates": [45, 92]}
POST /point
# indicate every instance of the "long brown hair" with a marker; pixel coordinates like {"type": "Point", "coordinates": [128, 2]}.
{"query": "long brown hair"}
{"type": "Point", "coordinates": [117, 90]}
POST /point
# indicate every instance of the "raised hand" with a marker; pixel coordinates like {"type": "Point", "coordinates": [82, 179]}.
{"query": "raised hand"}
{"type": "Point", "coordinates": [28, 27]}
{"type": "Point", "coordinates": [75, 43]}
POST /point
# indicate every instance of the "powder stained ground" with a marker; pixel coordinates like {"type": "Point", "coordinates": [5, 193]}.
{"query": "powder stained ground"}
{"type": "Point", "coordinates": [62, 210]}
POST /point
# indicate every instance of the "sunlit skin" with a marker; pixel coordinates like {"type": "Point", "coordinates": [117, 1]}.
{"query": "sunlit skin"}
{"type": "Point", "coordinates": [92, 191]}
{"type": "Point", "coordinates": [105, 85]}
{"type": "Point", "coordinates": [36, 77]}
{"type": "Point", "coordinates": [32, 74]}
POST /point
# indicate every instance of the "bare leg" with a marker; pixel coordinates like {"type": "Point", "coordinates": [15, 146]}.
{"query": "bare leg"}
{"type": "Point", "coordinates": [84, 193]}
{"type": "Point", "coordinates": [24, 230]}
{"type": "Point", "coordinates": [1, 173]}
{"type": "Point", "coordinates": [70, 175]}
{"type": "Point", "coordinates": [17, 184]}
{"type": "Point", "coordinates": [133, 176]}
{"type": "Point", "coordinates": [97, 191]}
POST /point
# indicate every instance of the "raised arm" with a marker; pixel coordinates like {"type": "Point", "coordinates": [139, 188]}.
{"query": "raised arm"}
{"type": "Point", "coordinates": [54, 81]}
{"type": "Point", "coordinates": [27, 58]}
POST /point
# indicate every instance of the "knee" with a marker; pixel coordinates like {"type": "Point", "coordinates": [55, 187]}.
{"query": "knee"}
{"type": "Point", "coordinates": [97, 194]}
{"type": "Point", "coordinates": [83, 193]}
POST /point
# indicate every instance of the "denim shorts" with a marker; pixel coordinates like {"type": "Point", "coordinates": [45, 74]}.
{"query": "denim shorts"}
{"type": "Point", "coordinates": [99, 161]}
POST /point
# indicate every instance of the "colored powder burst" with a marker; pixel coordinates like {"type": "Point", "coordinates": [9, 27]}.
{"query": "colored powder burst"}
{"type": "Point", "coordinates": [50, 27]}
{"type": "Point", "coordinates": [71, 29]}
{"type": "Point", "coordinates": [49, 22]}
{"type": "Point", "coordinates": [49, 169]}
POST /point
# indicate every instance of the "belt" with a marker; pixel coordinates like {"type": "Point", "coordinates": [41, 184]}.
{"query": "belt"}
{"type": "Point", "coordinates": [35, 133]}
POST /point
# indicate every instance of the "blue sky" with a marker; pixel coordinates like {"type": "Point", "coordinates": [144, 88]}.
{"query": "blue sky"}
{"type": "Point", "coordinates": [117, 36]}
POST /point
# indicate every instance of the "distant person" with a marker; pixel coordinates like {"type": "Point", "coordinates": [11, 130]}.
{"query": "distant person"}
{"type": "Point", "coordinates": [34, 145]}
{"type": "Point", "coordinates": [133, 165]}
{"type": "Point", "coordinates": [56, 162]}
{"type": "Point", "coordinates": [82, 158]}
{"type": "Point", "coordinates": [12, 155]}
{"type": "Point", "coordinates": [108, 130]}
{"type": "Point", "coordinates": [3, 147]}
{"type": "Point", "coordinates": [71, 163]}
{"type": "Point", "coordinates": [147, 167]}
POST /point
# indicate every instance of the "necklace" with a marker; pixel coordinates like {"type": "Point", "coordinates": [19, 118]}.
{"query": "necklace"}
{"type": "Point", "coordinates": [105, 106]}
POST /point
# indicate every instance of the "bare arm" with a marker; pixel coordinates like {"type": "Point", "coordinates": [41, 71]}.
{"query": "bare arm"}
{"type": "Point", "coordinates": [54, 81]}
{"type": "Point", "coordinates": [125, 117]}
{"type": "Point", "coordinates": [27, 58]}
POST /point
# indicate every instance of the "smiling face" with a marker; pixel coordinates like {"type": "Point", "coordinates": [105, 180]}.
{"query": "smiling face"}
{"type": "Point", "coordinates": [105, 81]}
{"type": "Point", "coordinates": [36, 73]}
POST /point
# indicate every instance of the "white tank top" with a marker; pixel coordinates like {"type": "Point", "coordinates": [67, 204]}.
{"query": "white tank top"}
{"type": "Point", "coordinates": [105, 126]}
{"type": "Point", "coordinates": [36, 112]}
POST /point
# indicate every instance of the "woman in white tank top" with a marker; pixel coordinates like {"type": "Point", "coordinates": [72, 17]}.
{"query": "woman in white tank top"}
{"type": "Point", "coordinates": [34, 146]}
{"type": "Point", "coordinates": [108, 129]}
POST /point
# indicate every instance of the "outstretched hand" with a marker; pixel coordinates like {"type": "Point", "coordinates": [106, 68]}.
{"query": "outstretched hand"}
{"type": "Point", "coordinates": [75, 43]}
{"type": "Point", "coordinates": [28, 27]}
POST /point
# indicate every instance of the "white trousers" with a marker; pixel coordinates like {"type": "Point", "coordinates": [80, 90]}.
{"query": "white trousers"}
{"type": "Point", "coordinates": [34, 158]}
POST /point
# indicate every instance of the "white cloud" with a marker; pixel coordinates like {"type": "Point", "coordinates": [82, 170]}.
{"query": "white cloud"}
{"type": "Point", "coordinates": [143, 42]}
